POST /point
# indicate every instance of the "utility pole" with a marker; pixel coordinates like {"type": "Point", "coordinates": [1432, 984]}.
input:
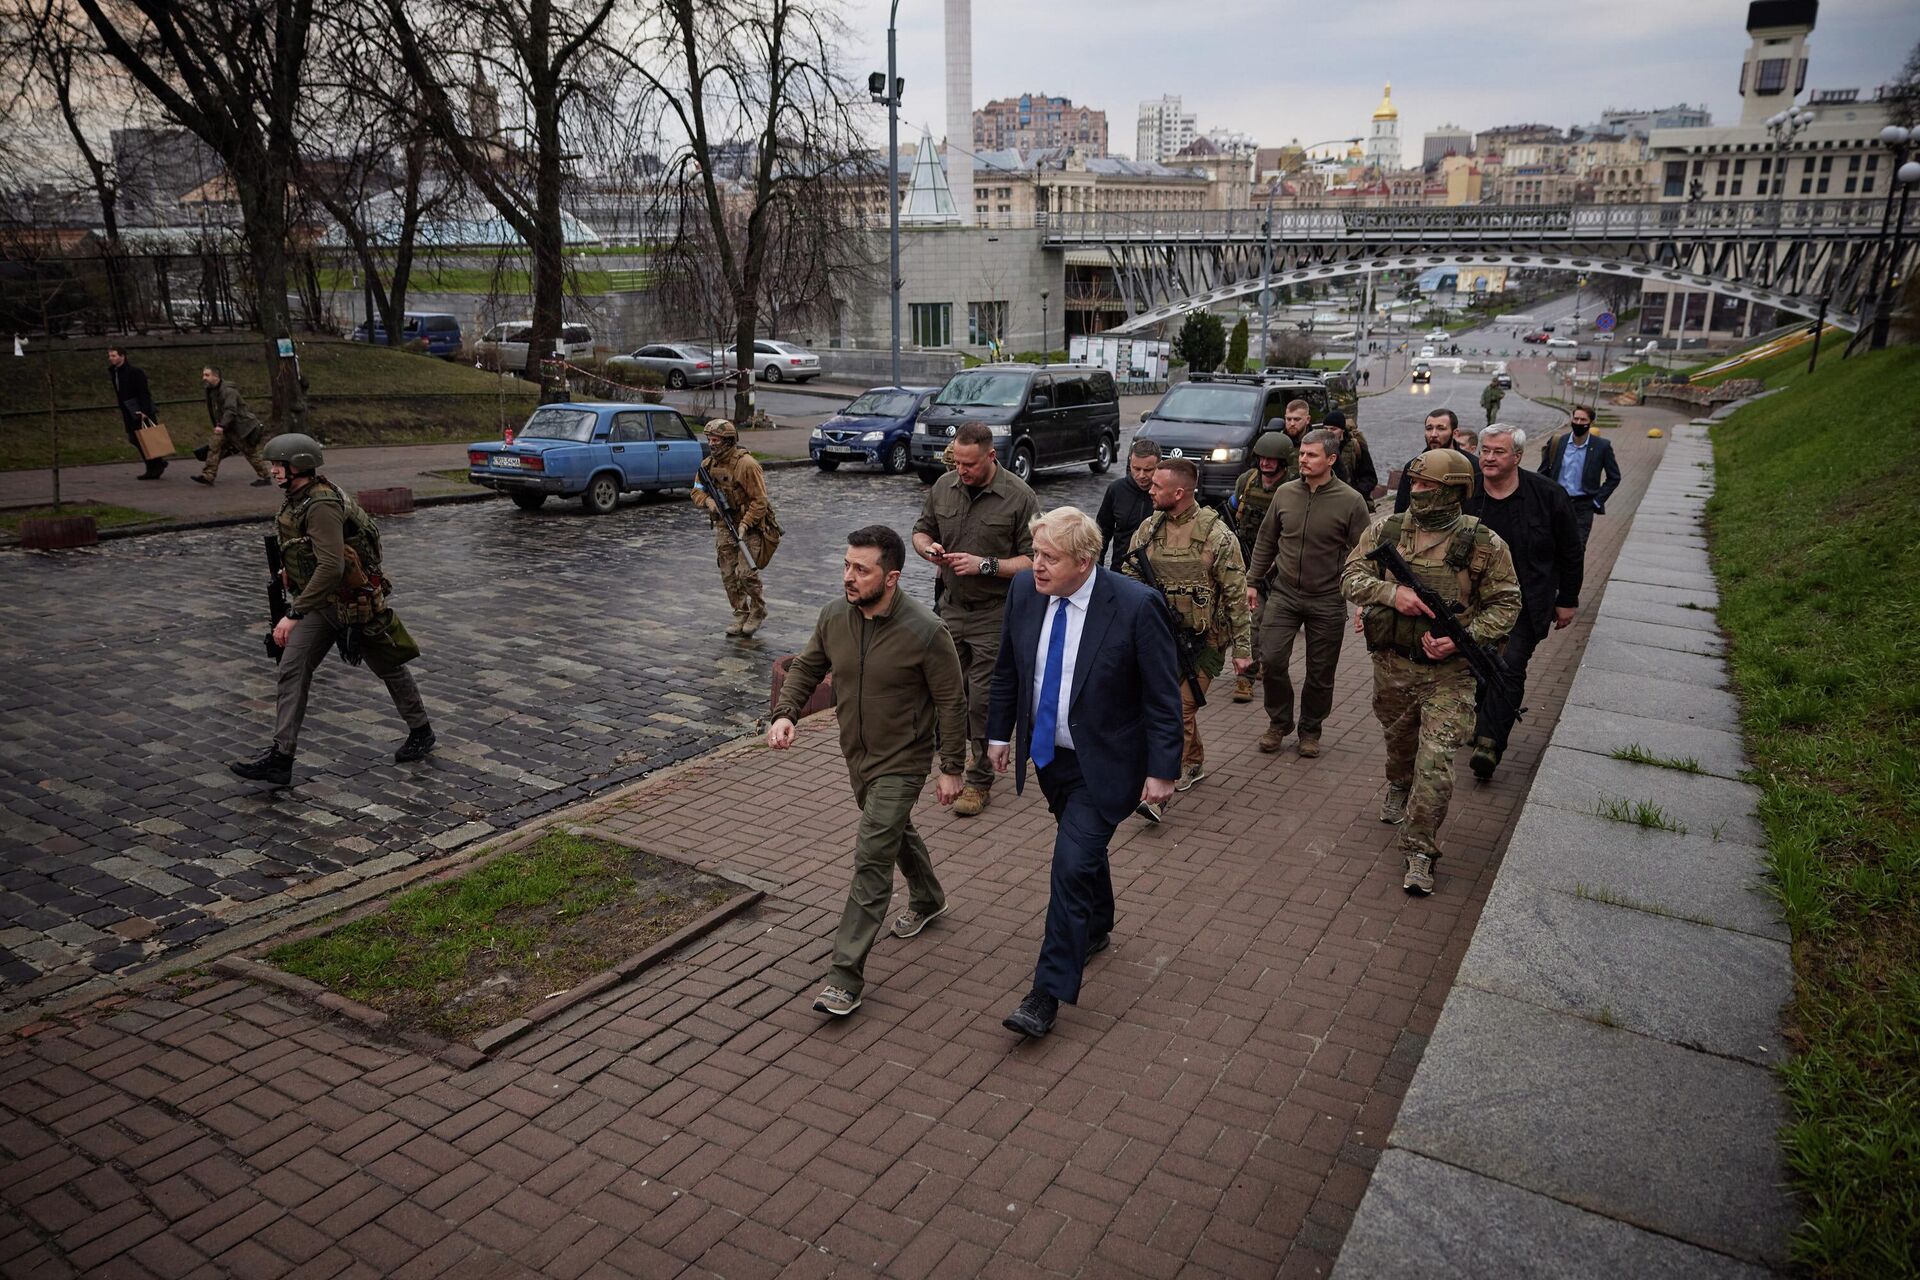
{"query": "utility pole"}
{"type": "Point", "coordinates": [889, 91]}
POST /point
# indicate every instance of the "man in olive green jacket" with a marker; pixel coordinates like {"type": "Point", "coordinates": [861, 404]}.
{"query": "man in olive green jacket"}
{"type": "Point", "coordinates": [235, 430]}
{"type": "Point", "coordinates": [895, 672]}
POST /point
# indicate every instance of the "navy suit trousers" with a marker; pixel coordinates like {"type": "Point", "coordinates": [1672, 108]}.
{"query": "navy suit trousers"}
{"type": "Point", "coordinates": [1080, 907]}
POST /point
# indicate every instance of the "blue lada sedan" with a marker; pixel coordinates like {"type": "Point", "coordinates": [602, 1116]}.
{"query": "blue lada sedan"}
{"type": "Point", "coordinates": [593, 452]}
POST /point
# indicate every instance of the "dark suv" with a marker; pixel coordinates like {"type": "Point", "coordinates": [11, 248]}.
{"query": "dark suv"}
{"type": "Point", "coordinates": [1041, 416]}
{"type": "Point", "coordinates": [1213, 418]}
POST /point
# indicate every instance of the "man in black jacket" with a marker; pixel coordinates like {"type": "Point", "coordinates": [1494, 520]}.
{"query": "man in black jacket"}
{"type": "Point", "coordinates": [1128, 500]}
{"type": "Point", "coordinates": [1584, 466]}
{"type": "Point", "coordinates": [1438, 430]}
{"type": "Point", "coordinates": [135, 401]}
{"type": "Point", "coordinates": [1535, 518]}
{"type": "Point", "coordinates": [1353, 466]}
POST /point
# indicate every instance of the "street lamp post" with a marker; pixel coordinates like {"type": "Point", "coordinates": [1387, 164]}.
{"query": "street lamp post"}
{"type": "Point", "coordinates": [1266, 268]}
{"type": "Point", "coordinates": [1897, 140]}
{"type": "Point", "coordinates": [1784, 127]}
{"type": "Point", "coordinates": [888, 92]}
{"type": "Point", "coordinates": [1046, 343]}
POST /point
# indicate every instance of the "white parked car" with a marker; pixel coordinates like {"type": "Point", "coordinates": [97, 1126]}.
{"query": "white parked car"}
{"type": "Point", "coordinates": [1427, 353]}
{"type": "Point", "coordinates": [1561, 343]}
{"type": "Point", "coordinates": [504, 346]}
{"type": "Point", "coordinates": [1438, 335]}
{"type": "Point", "coordinates": [777, 361]}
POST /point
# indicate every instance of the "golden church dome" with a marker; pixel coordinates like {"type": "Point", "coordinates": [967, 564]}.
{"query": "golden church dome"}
{"type": "Point", "coordinates": [1386, 110]}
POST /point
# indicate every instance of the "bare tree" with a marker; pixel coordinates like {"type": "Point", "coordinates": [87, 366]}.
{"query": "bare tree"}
{"type": "Point", "coordinates": [759, 136]}
{"type": "Point", "coordinates": [554, 67]}
{"type": "Point", "coordinates": [231, 72]}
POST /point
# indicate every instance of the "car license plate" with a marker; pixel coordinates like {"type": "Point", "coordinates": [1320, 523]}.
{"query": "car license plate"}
{"type": "Point", "coordinates": [506, 460]}
{"type": "Point", "coordinates": [844, 453]}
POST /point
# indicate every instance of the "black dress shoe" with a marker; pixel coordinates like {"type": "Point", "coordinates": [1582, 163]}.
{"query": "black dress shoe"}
{"type": "Point", "coordinates": [1034, 1017]}
{"type": "Point", "coordinates": [274, 767]}
{"type": "Point", "coordinates": [1100, 943]}
{"type": "Point", "coordinates": [419, 742]}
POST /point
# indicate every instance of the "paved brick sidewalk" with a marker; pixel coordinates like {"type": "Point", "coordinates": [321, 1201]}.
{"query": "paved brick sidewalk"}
{"type": "Point", "coordinates": [1213, 1107]}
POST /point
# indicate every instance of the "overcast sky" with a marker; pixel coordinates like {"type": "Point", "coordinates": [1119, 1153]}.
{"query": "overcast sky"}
{"type": "Point", "coordinates": [1286, 71]}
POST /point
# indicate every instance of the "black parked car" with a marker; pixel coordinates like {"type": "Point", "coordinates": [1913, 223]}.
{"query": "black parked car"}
{"type": "Point", "coordinates": [1041, 416]}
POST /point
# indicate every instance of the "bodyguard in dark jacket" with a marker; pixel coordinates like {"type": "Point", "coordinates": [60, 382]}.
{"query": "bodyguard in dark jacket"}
{"type": "Point", "coordinates": [1535, 518]}
{"type": "Point", "coordinates": [1128, 502]}
{"type": "Point", "coordinates": [1583, 464]}
{"type": "Point", "coordinates": [135, 401]}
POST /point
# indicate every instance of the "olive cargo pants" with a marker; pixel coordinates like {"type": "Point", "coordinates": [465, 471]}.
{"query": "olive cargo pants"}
{"type": "Point", "coordinates": [313, 636]}
{"type": "Point", "coordinates": [976, 635]}
{"type": "Point", "coordinates": [1324, 618]}
{"type": "Point", "coordinates": [886, 838]}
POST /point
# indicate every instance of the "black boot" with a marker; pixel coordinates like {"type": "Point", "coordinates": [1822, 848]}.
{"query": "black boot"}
{"type": "Point", "coordinates": [419, 742]}
{"type": "Point", "coordinates": [275, 767]}
{"type": "Point", "coordinates": [201, 453]}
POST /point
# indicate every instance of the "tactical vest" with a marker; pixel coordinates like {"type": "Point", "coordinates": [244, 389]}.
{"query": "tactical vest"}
{"type": "Point", "coordinates": [725, 474]}
{"type": "Point", "coordinates": [1186, 578]}
{"type": "Point", "coordinates": [1250, 502]}
{"type": "Point", "coordinates": [363, 589]}
{"type": "Point", "coordinates": [1452, 571]}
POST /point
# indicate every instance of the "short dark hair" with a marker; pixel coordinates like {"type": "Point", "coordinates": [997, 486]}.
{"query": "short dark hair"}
{"type": "Point", "coordinates": [974, 433]}
{"type": "Point", "coordinates": [121, 350]}
{"type": "Point", "coordinates": [213, 369]}
{"type": "Point", "coordinates": [1581, 408]}
{"type": "Point", "coordinates": [1298, 404]}
{"type": "Point", "coordinates": [1473, 437]}
{"type": "Point", "coordinates": [1184, 468]}
{"type": "Point", "coordinates": [1453, 419]}
{"type": "Point", "coordinates": [1145, 449]}
{"type": "Point", "coordinates": [893, 552]}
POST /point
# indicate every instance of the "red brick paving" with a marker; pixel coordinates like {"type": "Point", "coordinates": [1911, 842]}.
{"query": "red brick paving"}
{"type": "Point", "coordinates": [1213, 1107]}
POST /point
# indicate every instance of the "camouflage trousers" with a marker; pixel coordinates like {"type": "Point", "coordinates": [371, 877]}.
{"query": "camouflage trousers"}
{"type": "Point", "coordinates": [1426, 712]}
{"type": "Point", "coordinates": [224, 444]}
{"type": "Point", "coordinates": [741, 579]}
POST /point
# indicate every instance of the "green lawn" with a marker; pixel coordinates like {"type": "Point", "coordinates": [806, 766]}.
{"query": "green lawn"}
{"type": "Point", "coordinates": [105, 515]}
{"type": "Point", "coordinates": [360, 395]}
{"type": "Point", "coordinates": [1814, 544]}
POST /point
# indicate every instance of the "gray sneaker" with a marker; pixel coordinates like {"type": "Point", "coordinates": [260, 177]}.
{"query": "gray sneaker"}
{"type": "Point", "coordinates": [910, 922]}
{"type": "Point", "coordinates": [1394, 807]}
{"type": "Point", "coordinates": [1190, 775]}
{"type": "Point", "coordinates": [1419, 877]}
{"type": "Point", "coordinates": [837, 1001]}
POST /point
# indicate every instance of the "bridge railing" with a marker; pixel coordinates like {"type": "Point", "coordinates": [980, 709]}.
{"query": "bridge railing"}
{"type": "Point", "coordinates": [1757, 219]}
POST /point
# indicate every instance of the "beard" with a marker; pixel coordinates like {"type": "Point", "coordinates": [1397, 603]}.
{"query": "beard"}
{"type": "Point", "coordinates": [861, 599]}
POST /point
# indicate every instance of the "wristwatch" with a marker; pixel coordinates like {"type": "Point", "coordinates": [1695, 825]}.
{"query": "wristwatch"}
{"type": "Point", "coordinates": [989, 567]}
{"type": "Point", "coordinates": [295, 614]}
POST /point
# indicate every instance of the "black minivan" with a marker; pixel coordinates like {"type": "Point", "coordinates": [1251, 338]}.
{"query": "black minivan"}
{"type": "Point", "coordinates": [1041, 416]}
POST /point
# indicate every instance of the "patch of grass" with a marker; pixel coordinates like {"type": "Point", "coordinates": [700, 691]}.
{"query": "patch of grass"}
{"type": "Point", "coordinates": [1639, 813]}
{"type": "Point", "coordinates": [105, 515]}
{"type": "Point", "coordinates": [1609, 898]}
{"type": "Point", "coordinates": [473, 952]}
{"type": "Point", "coordinates": [359, 394]}
{"type": "Point", "coordinates": [1812, 536]}
{"type": "Point", "coordinates": [1634, 753]}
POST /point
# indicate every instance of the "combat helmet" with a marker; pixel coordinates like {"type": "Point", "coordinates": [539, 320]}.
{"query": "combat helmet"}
{"type": "Point", "coordinates": [1444, 466]}
{"type": "Point", "coordinates": [296, 452]}
{"type": "Point", "coordinates": [1271, 444]}
{"type": "Point", "coordinates": [724, 428]}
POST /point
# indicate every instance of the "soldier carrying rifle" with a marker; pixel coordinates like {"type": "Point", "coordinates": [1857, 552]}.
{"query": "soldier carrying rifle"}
{"type": "Point", "coordinates": [733, 493]}
{"type": "Point", "coordinates": [330, 557]}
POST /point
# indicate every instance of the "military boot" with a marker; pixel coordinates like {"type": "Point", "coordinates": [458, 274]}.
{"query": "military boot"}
{"type": "Point", "coordinates": [1243, 689]}
{"type": "Point", "coordinates": [275, 767]}
{"type": "Point", "coordinates": [756, 615]}
{"type": "Point", "coordinates": [419, 742]}
{"type": "Point", "coordinates": [1394, 807]}
{"type": "Point", "coordinates": [1273, 739]}
{"type": "Point", "coordinates": [1419, 878]}
{"type": "Point", "coordinates": [738, 627]}
{"type": "Point", "coordinates": [1485, 758]}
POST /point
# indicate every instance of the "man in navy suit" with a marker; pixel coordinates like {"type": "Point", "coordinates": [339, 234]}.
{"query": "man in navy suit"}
{"type": "Point", "coordinates": [1087, 687]}
{"type": "Point", "coordinates": [1584, 466]}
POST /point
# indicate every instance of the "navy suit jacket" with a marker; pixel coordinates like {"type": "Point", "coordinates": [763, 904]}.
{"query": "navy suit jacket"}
{"type": "Point", "coordinates": [1600, 476]}
{"type": "Point", "coordinates": [1124, 712]}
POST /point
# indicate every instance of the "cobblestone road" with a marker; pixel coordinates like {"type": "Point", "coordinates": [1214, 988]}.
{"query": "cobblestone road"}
{"type": "Point", "coordinates": [564, 655]}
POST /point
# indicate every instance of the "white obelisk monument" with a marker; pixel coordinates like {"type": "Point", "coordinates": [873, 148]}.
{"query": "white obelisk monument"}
{"type": "Point", "coordinates": [960, 107]}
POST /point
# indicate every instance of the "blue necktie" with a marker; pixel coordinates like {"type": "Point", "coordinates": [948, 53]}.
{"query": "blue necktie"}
{"type": "Point", "coordinates": [1046, 716]}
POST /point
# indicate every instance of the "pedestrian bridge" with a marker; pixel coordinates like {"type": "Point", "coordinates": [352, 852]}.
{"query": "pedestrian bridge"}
{"type": "Point", "coordinates": [1805, 257]}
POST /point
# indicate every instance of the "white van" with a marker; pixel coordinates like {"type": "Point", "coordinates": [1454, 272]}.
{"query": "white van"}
{"type": "Point", "coordinates": [504, 346]}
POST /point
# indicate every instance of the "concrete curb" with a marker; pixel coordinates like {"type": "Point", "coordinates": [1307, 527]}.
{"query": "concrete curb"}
{"type": "Point", "coordinates": [1599, 1095]}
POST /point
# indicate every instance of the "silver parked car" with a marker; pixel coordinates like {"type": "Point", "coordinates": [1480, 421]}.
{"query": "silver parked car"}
{"type": "Point", "coordinates": [681, 364]}
{"type": "Point", "coordinates": [778, 361]}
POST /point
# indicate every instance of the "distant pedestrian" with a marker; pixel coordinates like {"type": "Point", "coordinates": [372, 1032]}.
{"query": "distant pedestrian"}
{"type": "Point", "coordinates": [134, 398]}
{"type": "Point", "coordinates": [896, 675]}
{"type": "Point", "coordinates": [1366, 376]}
{"type": "Point", "coordinates": [1584, 465]}
{"type": "Point", "coordinates": [235, 430]}
{"type": "Point", "coordinates": [1490, 397]}
{"type": "Point", "coordinates": [1127, 501]}
{"type": "Point", "coordinates": [1534, 517]}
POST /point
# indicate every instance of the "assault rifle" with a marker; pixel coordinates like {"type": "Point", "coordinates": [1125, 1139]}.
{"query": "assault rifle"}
{"type": "Point", "coordinates": [1489, 668]}
{"type": "Point", "coordinates": [276, 593]}
{"type": "Point", "coordinates": [728, 516]}
{"type": "Point", "coordinates": [1186, 645]}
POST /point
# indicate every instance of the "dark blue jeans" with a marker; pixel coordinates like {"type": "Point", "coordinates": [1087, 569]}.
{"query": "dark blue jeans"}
{"type": "Point", "coordinates": [1080, 907]}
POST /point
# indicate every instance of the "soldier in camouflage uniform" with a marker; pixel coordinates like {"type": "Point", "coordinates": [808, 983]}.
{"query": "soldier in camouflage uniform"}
{"type": "Point", "coordinates": [337, 596]}
{"type": "Point", "coordinates": [235, 430]}
{"type": "Point", "coordinates": [738, 474]}
{"type": "Point", "coordinates": [1423, 691]}
{"type": "Point", "coordinates": [1196, 559]}
{"type": "Point", "coordinates": [1273, 455]}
